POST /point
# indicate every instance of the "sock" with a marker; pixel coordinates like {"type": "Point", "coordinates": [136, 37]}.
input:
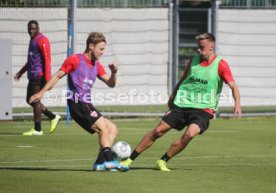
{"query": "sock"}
{"type": "Point", "coordinates": [134, 155]}
{"type": "Point", "coordinates": [49, 114]}
{"type": "Point", "coordinates": [165, 157]}
{"type": "Point", "coordinates": [37, 126]}
{"type": "Point", "coordinates": [107, 154]}
{"type": "Point", "coordinates": [100, 158]}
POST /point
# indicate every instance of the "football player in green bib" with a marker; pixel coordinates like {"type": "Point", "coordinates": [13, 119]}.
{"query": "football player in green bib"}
{"type": "Point", "coordinates": [193, 102]}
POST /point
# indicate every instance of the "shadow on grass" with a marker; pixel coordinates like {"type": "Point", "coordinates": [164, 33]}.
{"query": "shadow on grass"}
{"type": "Point", "coordinates": [154, 169]}
{"type": "Point", "coordinates": [68, 169]}
{"type": "Point", "coordinates": [13, 134]}
{"type": "Point", "coordinates": [142, 168]}
{"type": "Point", "coordinates": [80, 170]}
{"type": "Point", "coordinates": [63, 169]}
{"type": "Point", "coordinates": [44, 169]}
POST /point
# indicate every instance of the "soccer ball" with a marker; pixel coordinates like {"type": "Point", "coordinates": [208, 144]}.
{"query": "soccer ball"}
{"type": "Point", "coordinates": [122, 150]}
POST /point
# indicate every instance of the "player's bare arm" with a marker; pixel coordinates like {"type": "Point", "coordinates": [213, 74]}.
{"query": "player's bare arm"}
{"type": "Point", "coordinates": [236, 96]}
{"type": "Point", "coordinates": [110, 80]}
{"type": "Point", "coordinates": [55, 78]}
{"type": "Point", "coordinates": [18, 75]}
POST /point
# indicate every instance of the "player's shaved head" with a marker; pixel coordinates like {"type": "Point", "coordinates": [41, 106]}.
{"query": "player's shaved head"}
{"type": "Point", "coordinates": [33, 28]}
{"type": "Point", "coordinates": [33, 22]}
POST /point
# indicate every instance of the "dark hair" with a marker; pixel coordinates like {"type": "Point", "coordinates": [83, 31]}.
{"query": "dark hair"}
{"type": "Point", "coordinates": [206, 36]}
{"type": "Point", "coordinates": [95, 38]}
{"type": "Point", "coordinates": [33, 22]}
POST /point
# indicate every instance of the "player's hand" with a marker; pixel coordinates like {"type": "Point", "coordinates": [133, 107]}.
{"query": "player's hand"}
{"type": "Point", "coordinates": [34, 98]}
{"type": "Point", "coordinates": [17, 76]}
{"type": "Point", "coordinates": [113, 67]}
{"type": "Point", "coordinates": [237, 111]}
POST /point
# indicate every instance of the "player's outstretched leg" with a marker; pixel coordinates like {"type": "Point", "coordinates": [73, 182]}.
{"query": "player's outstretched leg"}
{"type": "Point", "coordinates": [37, 121]}
{"type": "Point", "coordinates": [54, 123]}
{"type": "Point", "coordinates": [111, 165]}
{"type": "Point", "coordinates": [32, 132]}
{"type": "Point", "coordinates": [98, 167]}
{"type": "Point", "coordinates": [126, 162]}
{"type": "Point", "coordinates": [162, 165]}
{"type": "Point", "coordinates": [103, 127]}
{"type": "Point", "coordinates": [148, 139]}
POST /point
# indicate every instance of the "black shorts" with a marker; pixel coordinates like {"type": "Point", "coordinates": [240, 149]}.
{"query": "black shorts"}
{"type": "Point", "coordinates": [85, 114]}
{"type": "Point", "coordinates": [178, 118]}
{"type": "Point", "coordinates": [34, 86]}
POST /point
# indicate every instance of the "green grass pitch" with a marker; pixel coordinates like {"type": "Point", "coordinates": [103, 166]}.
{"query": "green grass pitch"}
{"type": "Point", "coordinates": [233, 156]}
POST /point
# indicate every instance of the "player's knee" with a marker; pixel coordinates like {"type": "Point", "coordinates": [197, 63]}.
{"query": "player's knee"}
{"type": "Point", "coordinates": [157, 133]}
{"type": "Point", "coordinates": [103, 131]}
{"type": "Point", "coordinates": [97, 129]}
{"type": "Point", "coordinates": [33, 104]}
{"type": "Point", "coordinates": [186, 138]}
{"type": "Point", "coordinates": [113, 130]}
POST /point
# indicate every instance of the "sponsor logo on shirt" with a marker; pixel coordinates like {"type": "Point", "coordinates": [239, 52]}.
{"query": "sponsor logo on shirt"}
{"type": "Point", "coordinates": [199, 80]}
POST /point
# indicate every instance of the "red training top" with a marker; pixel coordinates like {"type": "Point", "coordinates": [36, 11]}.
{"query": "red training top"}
{"type": "Point", "coordinates": [44, 47]}
{"type": "Point", "coordinates": [72, 62]}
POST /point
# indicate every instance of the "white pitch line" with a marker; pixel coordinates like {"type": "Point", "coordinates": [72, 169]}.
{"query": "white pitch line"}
{"type": "Point", "coordinates": [238, 164]}
{"type": "Point", "coordinates": [134, 166]}
{"type": "Point", "coordinates": [54, 135]}
{"type": "Point", "coordinates": [134, 131]}
{"type": "Point", "coordinates": [221, 131]}
{"type": "Point", "coordinates": [46, 161]}
{"type": "Point", "coordinates": [145, 158]}
{"type": "Point", "coordinates": [43, 166]}
{"type": "Point", "coordinates": [24, 146]}
{"type": "Point", "coordinates": [221, 156]}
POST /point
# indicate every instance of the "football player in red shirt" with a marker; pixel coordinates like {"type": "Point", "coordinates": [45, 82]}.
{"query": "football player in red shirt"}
{"type": "Point", "coordinates": [193, 101]}
{"type": "Point", "coordinates": [83, 70]}
{"type": "Point", "coordinates": [38, 67]}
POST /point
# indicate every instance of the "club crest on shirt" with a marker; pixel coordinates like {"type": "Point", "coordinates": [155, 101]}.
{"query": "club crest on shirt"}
{"type": "Point", "coordinates": [93, 114]}
{"type": "Point", "coordinates": [87, 83]}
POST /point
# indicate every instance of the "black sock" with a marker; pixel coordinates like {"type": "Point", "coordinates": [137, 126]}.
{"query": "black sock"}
{"type": "Point", "coordinates": [100, 158]}
{"type": "Point", "coordinates": [134, 155]}
{"type": "Point", "coordinates": [49, 114]}
{"type": "Point", "coordinates": [37, 126]}
{"type": "Point", "coordinates": [107, 154]}
{"type": "Point", "coordinates": [165, 157]}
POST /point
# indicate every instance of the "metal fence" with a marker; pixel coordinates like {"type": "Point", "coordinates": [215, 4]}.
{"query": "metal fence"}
{"type": "Point", "coordinates": [248, 4]}
{"type": "Point", "coordinates": [138, 39]}
{"type": "Point", "coordinates": [243, 4]}
{"type": "Point", "coordinates": [84, 3]}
